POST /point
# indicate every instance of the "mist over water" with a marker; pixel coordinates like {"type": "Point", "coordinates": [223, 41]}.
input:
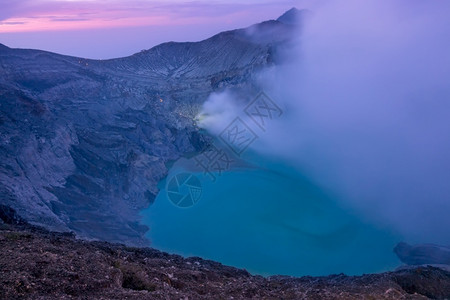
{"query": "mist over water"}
{"type": "Point", "coordinates": [366, 96]}
{"type": "Point", "coordinates": [269, 219]}
{"type": "Point", "coordinates": [358, 161]}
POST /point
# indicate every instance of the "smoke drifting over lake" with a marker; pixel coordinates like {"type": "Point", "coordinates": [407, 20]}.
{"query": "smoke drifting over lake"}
{"type": "Point", "coordinates": [366, 100]}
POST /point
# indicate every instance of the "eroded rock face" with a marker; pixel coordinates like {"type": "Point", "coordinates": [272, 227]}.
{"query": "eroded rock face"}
{"type": "Point", "coordinates": [83, 143]}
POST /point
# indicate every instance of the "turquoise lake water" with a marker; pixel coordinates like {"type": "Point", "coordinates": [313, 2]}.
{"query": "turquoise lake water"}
{"type": "Point", "coordinates": [269, 219]}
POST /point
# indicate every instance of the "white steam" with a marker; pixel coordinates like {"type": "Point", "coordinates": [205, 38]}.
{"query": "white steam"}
{"type": "Point", "coordinates": [366, 96]}
{"type": "Point", "coordinates": [218, 111]}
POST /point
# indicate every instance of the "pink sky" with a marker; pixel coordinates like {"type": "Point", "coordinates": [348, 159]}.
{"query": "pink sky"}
{"type": "Point", "coordinates": [111, 28]}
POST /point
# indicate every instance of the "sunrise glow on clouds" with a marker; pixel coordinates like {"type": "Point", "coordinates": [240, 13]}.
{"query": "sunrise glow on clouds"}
{"type": "Point", "coordinates": [61, 15]}
{"type": "Point", "coordinates": [115, 28]}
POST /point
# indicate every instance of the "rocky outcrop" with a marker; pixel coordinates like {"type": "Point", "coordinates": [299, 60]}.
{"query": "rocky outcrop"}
{"type": "Point", "coordinates": [293, 16]}
{"type": "Point", "coordinates": [36, 264]}
{"type": "Point", "coordinates": [9, 216]}
{"type": "Point", "coordinates": [423, 254]}
{"type": "Point", "coordinates": [83, 143]}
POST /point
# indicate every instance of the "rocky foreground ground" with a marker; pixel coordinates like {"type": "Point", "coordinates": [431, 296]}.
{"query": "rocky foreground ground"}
{"type": "Point", "coordinates": [37, 264]}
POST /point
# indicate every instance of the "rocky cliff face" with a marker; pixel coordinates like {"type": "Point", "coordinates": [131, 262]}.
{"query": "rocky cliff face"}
{"type": "Point", "coordinates": [83, 143]}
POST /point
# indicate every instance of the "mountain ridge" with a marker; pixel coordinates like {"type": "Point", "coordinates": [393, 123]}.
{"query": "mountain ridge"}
{"type": "Point", "coordinates": [292, 16]}
{"type": "Point", "coordinates": [85, 142]}
{"type": "Point", "coordinates": [282, 20]}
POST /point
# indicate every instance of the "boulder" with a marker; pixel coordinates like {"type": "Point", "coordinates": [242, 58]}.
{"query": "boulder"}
{"type": "Point", "coordinates": [423, 254]}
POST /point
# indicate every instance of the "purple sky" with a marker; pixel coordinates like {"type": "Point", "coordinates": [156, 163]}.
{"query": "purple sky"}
{"type": "Point", "coordinates": [114, 28]}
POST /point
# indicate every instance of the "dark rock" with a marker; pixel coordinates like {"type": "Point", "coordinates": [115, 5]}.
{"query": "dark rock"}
{"type": "Point", "coordinates": [426, 281]}
{"type": "Point", "coordinates": [37, 264]}
{"type": "Point", "coordinates": [9, 216]}
{"type": "Point", "coordinates": [292, 16]}
{"type": "Point", "coordinates": [423, 254]}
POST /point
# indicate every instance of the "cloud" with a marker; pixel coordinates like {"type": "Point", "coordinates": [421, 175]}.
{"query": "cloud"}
{"type": "Point", "coordinates": [11, 7]}
{"type": "Point", "coordinates": [12, 23]}
{"type": "Point", "coordinates": [44, 15]}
